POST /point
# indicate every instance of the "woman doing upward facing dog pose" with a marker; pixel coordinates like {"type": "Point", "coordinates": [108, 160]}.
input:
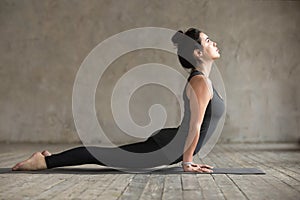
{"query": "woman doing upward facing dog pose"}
{"type": "Point", "coordinates": [203, 108]}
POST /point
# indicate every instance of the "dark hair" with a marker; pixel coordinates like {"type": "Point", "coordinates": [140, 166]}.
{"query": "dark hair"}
{"type": "Point", "coordinates": [186, 43]}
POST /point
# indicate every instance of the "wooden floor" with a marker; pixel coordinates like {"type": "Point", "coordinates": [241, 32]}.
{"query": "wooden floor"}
{"type": "Point", "coordinates": [279, 161]}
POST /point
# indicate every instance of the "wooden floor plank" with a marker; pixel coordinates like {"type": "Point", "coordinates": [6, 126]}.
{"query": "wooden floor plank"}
{"type": "Point", "coordinates": [244, 183]}
{"type": "Point", "coordinates": [97, 186]}
{"type": "Point", "coordinates": [280, 175]}
{"type": "Point", "coordinates": [274, 170]}
{"type": "Point", "coordinates": [154, 187]}
{"type": "Point", "coordinates": [192, 194]}
{"type": "Point", "coordinates": [276, 188]}
{"type": "Point", "coordinates": [228, 187]}
{"type": "Point", "coordinates": [76, 189]}
{"type": "Point", "coordinates": [279, 166]}
{"type": "Point", "coordinates": [189, 182]}
{"type": "Point", "coordinates": [58, 188]}
{"type": "Point", "coordinates": [136, 187]}
{"type": "Point", "coordinates": [172, 187]}
{"type": "Point", "coordinates": [117, 187]}
{"type": "Point", "coordinates": [26, 186]}
{"type": "Point", "coordinates": [225, 184]}
{"type": "Point", "coordinates": [210, 189]}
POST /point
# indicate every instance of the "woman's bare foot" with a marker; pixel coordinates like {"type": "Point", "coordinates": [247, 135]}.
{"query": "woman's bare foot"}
{"type": "Point", "coordinates": [35, 162]}
{"type": "Point", "coordinates": [46, 153]}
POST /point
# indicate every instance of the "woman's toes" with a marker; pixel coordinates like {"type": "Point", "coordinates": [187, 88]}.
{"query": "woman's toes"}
{"type": "Point", "coordinates": [18, 165]}
{"type": "Point", "coordinates": [15, 167]}
{"type": "Point", "coordinates": [46, 153]}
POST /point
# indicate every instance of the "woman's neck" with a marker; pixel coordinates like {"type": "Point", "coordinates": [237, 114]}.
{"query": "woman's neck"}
{"type": "Point", "coordinates": [205, 68]}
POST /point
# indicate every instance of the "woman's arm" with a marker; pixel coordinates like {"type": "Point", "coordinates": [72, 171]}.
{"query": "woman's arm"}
{"type": "Point", "coordinates": [199, 95]}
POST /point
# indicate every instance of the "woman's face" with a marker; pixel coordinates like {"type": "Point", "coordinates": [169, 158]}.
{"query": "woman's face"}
{"type": "Point", "coordinates": [210, 50]}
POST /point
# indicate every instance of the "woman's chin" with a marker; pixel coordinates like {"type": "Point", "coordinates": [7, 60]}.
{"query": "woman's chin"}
{"type": "Point", "coordinates": [216, 57]}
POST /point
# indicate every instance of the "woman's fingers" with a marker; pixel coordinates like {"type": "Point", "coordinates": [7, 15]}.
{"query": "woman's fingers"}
{"type": "Point", "coordinates": [203, 166]}
{"type": "Point", "coordinates": [203, 169]}
{"type": "Point", "coordinates": [206, 170]}
{"type": "Point", "coordinates": [198, 168]}
{"type": "Point", "coordinates": [206, 166]}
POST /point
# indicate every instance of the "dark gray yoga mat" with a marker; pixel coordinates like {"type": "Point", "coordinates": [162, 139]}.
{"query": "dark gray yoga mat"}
{"type": "Point", "coordinates": [169, 170]}
{"type": "Point", "coordinates": [179, 170]}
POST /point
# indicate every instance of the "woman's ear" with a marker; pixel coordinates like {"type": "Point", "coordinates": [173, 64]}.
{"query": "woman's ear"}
{"type": "Point", "coordinates": [198, 54]}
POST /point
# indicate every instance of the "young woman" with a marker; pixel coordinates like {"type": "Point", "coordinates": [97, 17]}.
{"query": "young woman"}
{"type": "Point", "coordinates": [203, 109]}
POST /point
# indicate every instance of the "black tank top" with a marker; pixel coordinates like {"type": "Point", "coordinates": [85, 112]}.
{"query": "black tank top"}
{"type": "Point", "coordinates": [212, 116]}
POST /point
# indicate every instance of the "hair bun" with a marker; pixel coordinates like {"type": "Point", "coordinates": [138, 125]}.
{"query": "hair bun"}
{"type": "Point", "coordinates": [177, 37]}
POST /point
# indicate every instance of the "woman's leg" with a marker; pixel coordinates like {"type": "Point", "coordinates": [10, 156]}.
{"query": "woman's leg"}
{"type": "Point", "coordinates": [75, 156]}
{"type": "Point", "coordinates": [82, 155]}
{"type": "Point", "coordinates": [78, 156]}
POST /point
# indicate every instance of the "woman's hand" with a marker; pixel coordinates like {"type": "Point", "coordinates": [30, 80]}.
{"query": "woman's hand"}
{"type": "Point", "coordinates": [197, 168]}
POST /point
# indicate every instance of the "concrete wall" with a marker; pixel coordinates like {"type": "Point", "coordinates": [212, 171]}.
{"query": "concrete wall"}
{"type": "Point", "coordinates": [43, 44]}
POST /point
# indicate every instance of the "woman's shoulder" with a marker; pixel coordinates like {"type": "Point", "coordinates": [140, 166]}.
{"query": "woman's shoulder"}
{"type": "Point", "coordinates": [200, 83]}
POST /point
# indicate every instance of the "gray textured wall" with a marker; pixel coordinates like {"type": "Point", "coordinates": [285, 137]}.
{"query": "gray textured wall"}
{"type": "Point", "coordinates": [43, 44]}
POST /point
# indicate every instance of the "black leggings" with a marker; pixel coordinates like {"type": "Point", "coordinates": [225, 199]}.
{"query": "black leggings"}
{"type": "Point", "coordinates": [81, 155]}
